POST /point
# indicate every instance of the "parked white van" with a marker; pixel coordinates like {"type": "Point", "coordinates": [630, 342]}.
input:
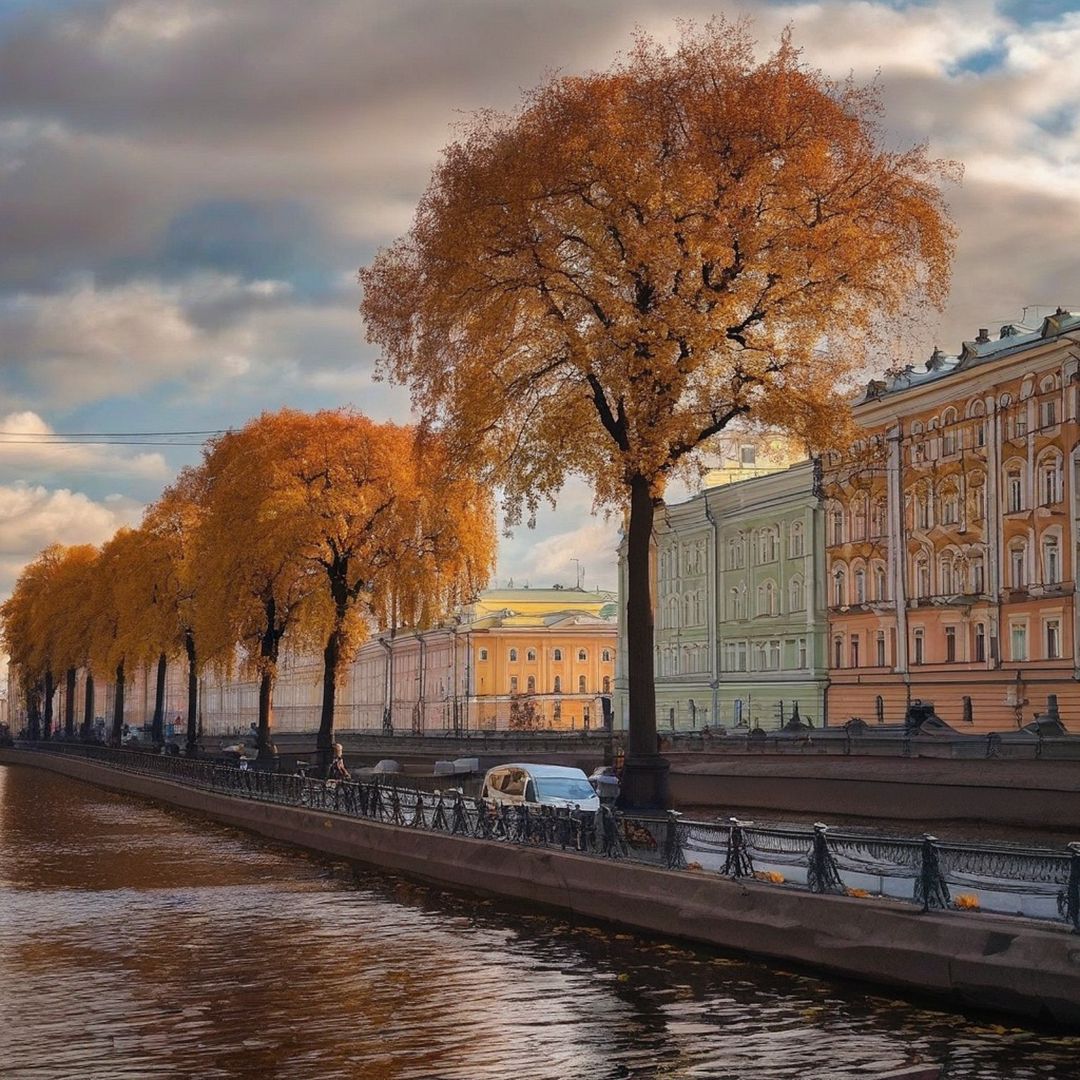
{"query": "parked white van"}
{"type": "Point", "coordinates": [540, 785]}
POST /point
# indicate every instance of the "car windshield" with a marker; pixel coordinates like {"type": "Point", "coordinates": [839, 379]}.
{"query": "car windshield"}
{"type": "Point", "coordinates": [573, 788]}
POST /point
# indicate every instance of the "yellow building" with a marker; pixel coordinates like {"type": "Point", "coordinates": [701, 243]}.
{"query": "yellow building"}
{"type": "Point", "coordinates": [541, 658]}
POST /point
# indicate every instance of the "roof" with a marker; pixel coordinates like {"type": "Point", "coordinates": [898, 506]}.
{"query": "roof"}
{"type": "Point", "coordinates": [1011, 339]}
{"type": "Point", "coordinates": [568, 596]}
{"type": "Point", "coordinates": [541, 770]}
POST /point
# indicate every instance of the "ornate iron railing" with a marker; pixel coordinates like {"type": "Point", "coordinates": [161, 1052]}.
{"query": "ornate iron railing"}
{"type": "Point", "coordinates": [1010, 879]}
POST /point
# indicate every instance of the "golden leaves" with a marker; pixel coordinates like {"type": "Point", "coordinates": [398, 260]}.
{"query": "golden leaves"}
{"type": "Point", "coordinates": [638, 257]}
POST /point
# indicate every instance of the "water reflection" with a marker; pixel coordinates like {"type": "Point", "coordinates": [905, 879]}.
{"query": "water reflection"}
{"type": "Point", "coordinates": [135, 941]}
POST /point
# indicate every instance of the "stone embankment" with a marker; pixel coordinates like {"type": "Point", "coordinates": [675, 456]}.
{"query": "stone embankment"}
{"type": "Point", "coordinates": [999, 963]}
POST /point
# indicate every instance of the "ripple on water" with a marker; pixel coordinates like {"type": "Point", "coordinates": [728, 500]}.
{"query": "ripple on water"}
{"type": "Point", "coordinates": [135, 941]}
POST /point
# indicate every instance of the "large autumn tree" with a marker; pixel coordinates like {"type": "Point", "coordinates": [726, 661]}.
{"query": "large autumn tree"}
{"type": "Point", "coordinates": [600, 283]}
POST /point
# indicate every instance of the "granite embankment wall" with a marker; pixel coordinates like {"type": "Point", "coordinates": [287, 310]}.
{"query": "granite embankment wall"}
{"type": "Point", "coordinates": [1030, 794]}
{"type": "Point", "coordinates": [1007, 964]}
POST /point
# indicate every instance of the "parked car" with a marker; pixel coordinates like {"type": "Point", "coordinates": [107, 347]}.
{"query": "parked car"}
{"type": "Point", "coordinates": [539, 785]}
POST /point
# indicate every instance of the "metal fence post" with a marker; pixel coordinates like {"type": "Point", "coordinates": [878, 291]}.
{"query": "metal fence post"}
{"type": "Point", "coordinates": [931, 889]}
{"type": "Point", "coordinates": [1069, 897]}
{"type": "Point", "coordinates": [674, 859]}
{"type": "Point", "coordinates": [738, 863]}
{"type": "Point", "coordinates": [822, 874]}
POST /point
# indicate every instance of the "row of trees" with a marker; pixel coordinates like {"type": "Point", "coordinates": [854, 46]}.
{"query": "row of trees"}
{"type": "Point", "coordinates": [302, 528]}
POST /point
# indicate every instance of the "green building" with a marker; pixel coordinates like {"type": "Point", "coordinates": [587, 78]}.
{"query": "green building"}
{"type": "Point", "coordinates": [738, 605]}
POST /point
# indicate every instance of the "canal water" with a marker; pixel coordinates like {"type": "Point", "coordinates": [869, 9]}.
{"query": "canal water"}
{"type": "Point", "coordinates": [139, 942]}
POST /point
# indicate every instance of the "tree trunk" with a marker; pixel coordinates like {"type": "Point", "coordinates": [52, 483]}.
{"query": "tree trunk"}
{"type": "Point", "coordinates": [264, 747]}
{"type": "Point", "coordinates": [33, 713]}
{"type": "Point", "coordinates": [116, 737]}
{"type": "Point", "coordinates": [157, 725]}
{"type": "Point", "coordinates": [88, 707]}
{"type": "Point", "coordinates": [645, 783]}
{"type": "Point", "coordinates": [331, 663]}
{"type": "Point", "coordinates": [69, 703]}
{"type": "Point", "coordinates": [50, 693]}
{"type": "Point", "coordinates": [192, 746]}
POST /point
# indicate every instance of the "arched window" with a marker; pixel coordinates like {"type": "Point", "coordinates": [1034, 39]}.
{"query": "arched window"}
{"type": "Point", "coordinates": [605, 656]}
{"type": "Point", "coordinates": [738, 603]}
{"type": "Point", "coordinates": [881, 588]}
{"type": "Point", "coordinates": [530, 685]}
{"type": "Point", "coordinates": [1014, 489]}
{"type": "Point", "coordinates": [922, 509]}
{"type": "Point", "coordinates": [797, 594]}
{"type": "Point", "coordinates": [1018, 564]}
{"type": "Point", "coordinates": [557, 686]}
{"type": "Point", "coordinates": [1050, 480]}
{"type": "Point", "coordinates": [977, 413]}
{"type": "Point", "coordinates": [513, 656]}
{"type": "Point", "coordinates": [918, 447]}
{"type": "Point", "coordinates": [530, 655]}
{"type": "Point", "coordinates": [877, 518]}
{"type": "Point", "coordinates": [1051, 560]}
{"type": "Point", "coordinates": [859, 519]}
{"type": "Point", "coordinates": [945, 569]}
{"type": "Point", "coordinates": [796, 540]}
{"type": "Point", "coordinates": [858, 578]}
{"type": "Point", "coordinates": [1049, 390]}
{"type": "Point", "coordinates": [582, 655]}
{"type": "Point", "coordinates": [556, 654]}
{"type": "Point", "coordinates": [950, 441]}
{"type": "Point", "coordinates": [839, 589]}
{"type": "Point", "coordinates": [922, 576]}
{"type": "Point", "coordinates": [838, 652]}
{"type": "Point", "coordinates": [688, 603]}
{"type": "Point", "coordinates": [581, 684]}
{"type": "Point", "coordinates": [838, 526]}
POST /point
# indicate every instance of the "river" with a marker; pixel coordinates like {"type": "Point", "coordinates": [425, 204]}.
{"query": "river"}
{"type": "Point", "coordinates": [136, 941]}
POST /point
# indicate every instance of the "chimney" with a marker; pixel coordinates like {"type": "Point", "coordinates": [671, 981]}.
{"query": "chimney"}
{"type": "Point", "coordinates": [984, 336]}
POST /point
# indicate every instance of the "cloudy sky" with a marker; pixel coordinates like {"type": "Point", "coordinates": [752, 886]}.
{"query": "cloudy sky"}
{"type": "Point", "coordinates": [187, 188]}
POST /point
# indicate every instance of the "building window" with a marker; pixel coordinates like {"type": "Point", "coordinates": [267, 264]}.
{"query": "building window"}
{"type": "Point", "coordinates": [483, 654]}
{"type": "Point", "coordinates": [1015, 488]}
{"type": "Point", "coordinates": [838, 587]}
{"type": "Point", "coordinates": [605, 656]}
{"type": "Point", "coordinates": [607, 684]}
{"type": "Point", "coordinates": [950, 508]}
{"type": "Point", "coordinates": [859, 520]}
{"type": "Point", "coordinates": [877, 518]}
{"type": "Point", "coordinates": [1016, 566]}
{"type": "Point", "coordinates": [530, 685]}
{"type": "Point", "coordinates": [980, 643]}
{"type": "Point", "coordinates": [922, 577]}
{"type": "Point", "coordinates": [880, 641]}
{"type": "Point", "coordinates": [738, 604]}
{"type": "Point", "coordinates": [735, 553]}
{"type": "Point", "coordinates": [838, 652]}
{"type": "Point", "coordinates": [766, 598]}
{"type": "Point", "coordinates": [978, 503]}
{"type": "Point", "coordinates": [1053, 639]}
{"type": "Point", "coordinates": [949, 441]}
{"type": "Point", "coordinates": [767, 546]}
{"type": "Point", "coordinates": [1018, 636]}
{"type": "Point", "coordinates": [1048, 412]}
{"type": "Point", "coordinates": [581, 681]}
{"type": "Point", "coordinates": [801, 647]}
{"type": "Point", "coordinates": [950, 644]}
{"type": "Point", "coordinates": [740, 656]}
{"type": "Point", "coordinates": [798, 594]}
{"type": "Point", "coordinates": [881, 588]}
{"type": "Point", "coordinates": [747, 455]}
{"type": "Point", "coordinates": [1050, 482]}
{"type": "Point", "coordinates": [838, 526]}
{"type": "Point", "coordinates": [774, 655]}
{"type": "Point", "coordinates": [879, 709]}
{"type": "Point", "coordinates": [946, 571]}
{"type": "Point", "coordinates": [513, 656]}
{"type": "Point", "coordinates": [557, 687]}
{"type": "Point", "coordinates": [513, 684]}
{"type": "Point", "coordinates": [582, 655]}
{"type": "Point", "coordinates": [855, 650]}
{"type": "Point", "coordinates": [556, 654]}
{"type": "Point", "coordinates": [530, 655]}
{"type": "Point", "coordinates": [1051, 561]}
{"type": "Point", "coordinates": [978, 576]}
{"type": "Point", "coordinates": [1020, 422]}
{"type": "Point", "coordinates": [795, 541]}
{"type": "Point", "coordinates": [919, 653]}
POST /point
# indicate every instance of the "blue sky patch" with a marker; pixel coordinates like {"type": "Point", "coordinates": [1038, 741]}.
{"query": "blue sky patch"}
{"type": "Point", "coordinates": [1027, 12]}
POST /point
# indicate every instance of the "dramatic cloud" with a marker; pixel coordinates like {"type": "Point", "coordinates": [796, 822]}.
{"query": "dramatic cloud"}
{"type": "Point", "coordinates": [32, 517]}
{"type": "Point", "coordinates": [188, 186]}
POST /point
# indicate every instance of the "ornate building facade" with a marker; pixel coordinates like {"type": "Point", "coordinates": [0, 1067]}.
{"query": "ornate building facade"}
{"type": "Point", "coordinates": [950, 531]}
{"type": "Point", "coordinates": [738, 605]}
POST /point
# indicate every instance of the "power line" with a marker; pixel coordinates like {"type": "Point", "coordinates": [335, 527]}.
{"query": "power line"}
{"type": "Point", "coordinates": [106, 434]}
{"type": "Point", "coordinates": [97, 442]}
